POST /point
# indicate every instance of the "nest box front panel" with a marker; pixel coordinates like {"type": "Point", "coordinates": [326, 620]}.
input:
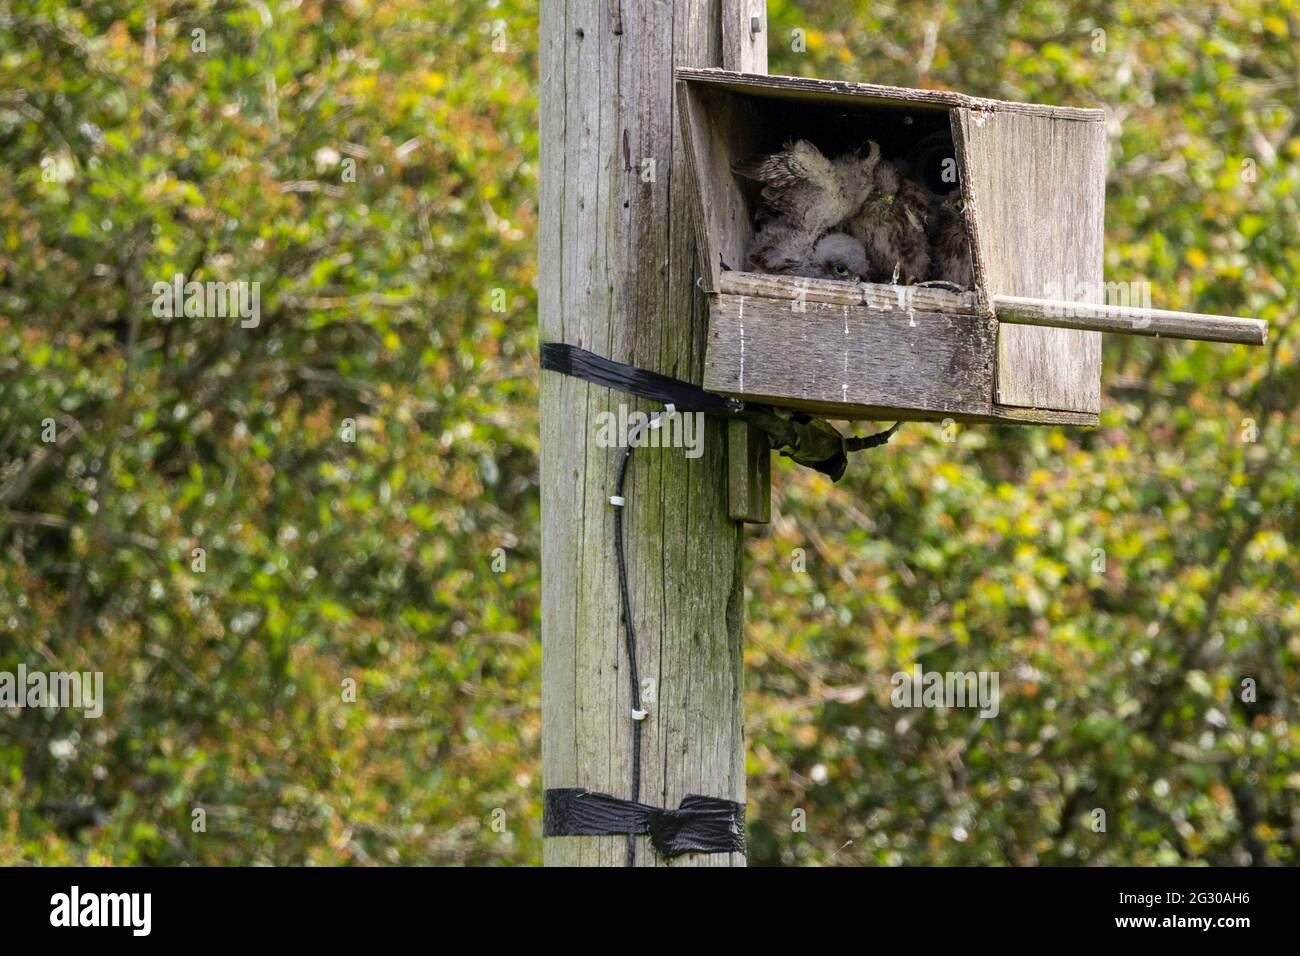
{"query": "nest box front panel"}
{"type": "Point", "coordinates": [887, 361]}
{"type": "Point", "coordinates": [1035, 195]}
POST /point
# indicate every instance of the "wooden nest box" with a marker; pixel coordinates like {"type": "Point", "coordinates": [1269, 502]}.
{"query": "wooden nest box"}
{"type": "Point", "coordinates": [1022, 346]}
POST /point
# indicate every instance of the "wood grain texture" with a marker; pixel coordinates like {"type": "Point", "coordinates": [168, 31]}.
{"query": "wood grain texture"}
{"type": "Point", "coordinates": [813, 90]}
{"type": "Point", "coordinates": [1035, 198]}
{"type": "Point", "coordinates": [850, 361]}
{"type": "Point", "coordinates": [854, 362]}
{"type": "Point", "coordinates": [1126, 320]}
{"type": "Point", "coordinates": [618, 278]}
{"type": "Point", "coordinates": [1034, 187]}
{"type": "Point", "coordinates": [873, 295]}
{"type": "Point", "coordinates": [749, 452]}
{"type": "Point", "coordinates": [717, 129]}
{"type": "Point", "coordinates": [749, 474]}
{"type": "Point", "coordinates": [744, 49]}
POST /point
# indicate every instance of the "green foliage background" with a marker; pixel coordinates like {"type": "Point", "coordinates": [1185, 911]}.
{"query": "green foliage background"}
{"type": "Point", "coordinates": [374, 561]}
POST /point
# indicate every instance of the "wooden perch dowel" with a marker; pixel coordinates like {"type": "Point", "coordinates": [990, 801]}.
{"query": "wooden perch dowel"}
{"type": "Point", "coordinates": [1128, 320]}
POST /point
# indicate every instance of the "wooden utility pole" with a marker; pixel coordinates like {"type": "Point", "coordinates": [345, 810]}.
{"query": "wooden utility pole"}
{"type": "Point", "coordinates": [617, 271]}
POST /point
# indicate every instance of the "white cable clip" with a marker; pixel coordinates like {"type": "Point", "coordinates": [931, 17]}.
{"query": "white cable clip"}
{"type": "Point", "coordinates": [639, 714]}
{"type": "Point", "coordinates": [660, 416]}
{"type": "Point", "coordinates": [617, 501]}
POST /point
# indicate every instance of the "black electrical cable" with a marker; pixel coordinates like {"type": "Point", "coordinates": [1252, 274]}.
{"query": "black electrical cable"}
{"type": "Point", "coordinates": [854, 443]}
{"type": "Point", "coordinates": [629, 637]}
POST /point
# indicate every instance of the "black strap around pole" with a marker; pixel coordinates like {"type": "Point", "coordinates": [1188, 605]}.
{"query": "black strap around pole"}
{"type": "Point", "coordinates": [685, 397]}
{"type": "Point", "coordinates": [698, 825]}
{"type": "Point", "coordinates": [810, 442]}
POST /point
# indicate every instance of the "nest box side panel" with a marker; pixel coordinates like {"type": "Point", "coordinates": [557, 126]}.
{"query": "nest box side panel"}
{"type": "Point", "coordinates": [1035, 196]}
{"type": "Point", "coordinates": [718, 128]}
{"type": "Point", "coordinates": [850, 362]}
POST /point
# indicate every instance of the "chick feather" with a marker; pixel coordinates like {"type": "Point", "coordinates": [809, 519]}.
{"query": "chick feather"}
{"type": "Point", "coordinates": [809, 191]}
{"type": "Point", "coordinates": [950, 242]}
{"type": "Point", "coordinates": [891, 225]}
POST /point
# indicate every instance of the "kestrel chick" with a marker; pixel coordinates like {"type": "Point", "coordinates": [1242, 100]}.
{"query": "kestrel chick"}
{"type": "Point", "coordinates": [891, 225]}
{"type": "Point", "coordinates": [781, 249]}
{"type": "Point", "coordinates": [809, 191]}
{"type": "Point", "coordinates": [838, 255]}
{"type": "Point", "coordinates": [950, 242]}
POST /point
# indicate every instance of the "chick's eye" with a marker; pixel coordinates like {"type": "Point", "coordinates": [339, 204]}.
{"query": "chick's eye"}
{"type": "Point", "coordinates": [841, 271]}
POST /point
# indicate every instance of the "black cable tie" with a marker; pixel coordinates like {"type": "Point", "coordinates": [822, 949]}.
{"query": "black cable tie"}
{"type": "Point", "coordinates": [698, 825]}
{"type": "Point", "coordinates": [571, 360]}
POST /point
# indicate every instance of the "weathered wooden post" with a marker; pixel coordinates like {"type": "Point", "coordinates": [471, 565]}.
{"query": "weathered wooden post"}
{"type": "Point", "coordinates": [617, 277]}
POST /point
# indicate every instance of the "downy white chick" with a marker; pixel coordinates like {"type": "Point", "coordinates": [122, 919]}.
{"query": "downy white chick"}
{"type": "Point", "coordinates": [779, 248]}
{"type": "Point", "coordinates": [891, 225]}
